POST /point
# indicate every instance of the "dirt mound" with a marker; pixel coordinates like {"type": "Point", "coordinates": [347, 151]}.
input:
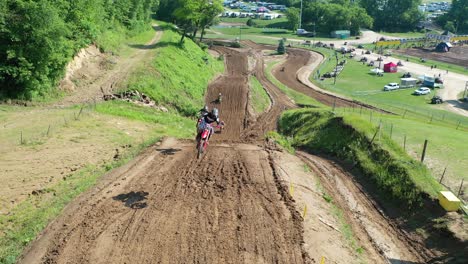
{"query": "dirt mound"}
{"type": "Point", "coordinates": [92, 74]}
{"type": "Point", "coordinates": [86, 65]}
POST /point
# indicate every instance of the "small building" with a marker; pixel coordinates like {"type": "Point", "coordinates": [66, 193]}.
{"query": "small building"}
{"type": "Point", "coordinates": [443, 47]}
{"type": "Point", "coordinates": [390, 67]}
{"type": "Point", "coordinates": [341, 34]}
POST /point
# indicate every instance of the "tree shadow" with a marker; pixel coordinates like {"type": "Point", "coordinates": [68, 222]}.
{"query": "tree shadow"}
{"type": "Point", "coordinates": [159, 43]}
{"type": "Point", "coordinates": [168, 151]}
{"type": "Point", "coordinates": [134, 200]}
{"type": "Point", "coordinates": [458, 104]}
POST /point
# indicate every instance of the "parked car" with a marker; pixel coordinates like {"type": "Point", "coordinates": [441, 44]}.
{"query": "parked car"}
{"type": "Point", "coordinates": [391, 86]}
{"type": "Point", "coordinates": [422, 91]}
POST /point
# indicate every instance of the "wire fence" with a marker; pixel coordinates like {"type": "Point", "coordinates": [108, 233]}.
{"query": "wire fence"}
{"type": "Point", "coordinates": [422, 147]}
{"type": "Point", "coordinates": [38, 136]}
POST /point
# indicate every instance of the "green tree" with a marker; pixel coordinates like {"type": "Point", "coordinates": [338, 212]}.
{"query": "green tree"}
{"type": "Point", "coordinates": [450, 26]}
{"type": "Point", "coordinates": [326, 17]}
{"type": "Point", "coordinates": [209, 15]}
{"type": "Point", "coordinates": [393, 15]}
{"type": "Point", "coordinates": [281, 49]}
{"type": "Point", "coordinates": [250, 22]}
{"type": "Point", "coordinates": [459, 15]}
{"type": "Point", "coordinates": [292, 14]}
{"type": "Point", "coordinates": [39, 37]}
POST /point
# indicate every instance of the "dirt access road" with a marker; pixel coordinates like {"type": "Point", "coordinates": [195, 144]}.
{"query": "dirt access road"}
{"type": "Point", "coordinates": [93, 74]}
{"type": "Point", "coordinates": [232, 206]}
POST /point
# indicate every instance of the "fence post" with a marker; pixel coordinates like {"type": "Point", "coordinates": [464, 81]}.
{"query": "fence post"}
{"type": "Point", "coordinates": [424, 151]}
{"type": "Point", "coordinates": [391, 130]}
{"type": "Point", "coordinates": [458, 124]}
{"type": "Point", "coordinates": [334, 105]}
{"type": "Point", "coordinates": [404, 143]}
{"type": "Point", "coordinates": [21, 138]}
{"type": "Point", "coordinates": [48, 130]}
{"type": "Point", "coordinates": [443, 174]}
{"type": "Point", "coordinates": [378, 130]}
{"type": "Point", "coordinates": [461, 186]}
{"type": "Point", "coordinates": [81, 110]}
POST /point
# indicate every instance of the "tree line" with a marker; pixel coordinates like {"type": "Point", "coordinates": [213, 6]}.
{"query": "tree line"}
{"type": "Point", "coordinates": [456, 20]}
{"type": "Point", "coordinates": [191, 16]}
{"type": "Point", "coordinates": [328, 15]}
{"type": "Point", "coordinates": [39, 37]}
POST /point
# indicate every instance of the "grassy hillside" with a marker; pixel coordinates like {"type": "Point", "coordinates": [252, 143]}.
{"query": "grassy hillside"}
{"type": "Point", "coordinates": [259, 97]}
{"type": "Point", "coordinates": [177, 77]}
{"type": "Point", "coordinates": [397, 176]}
{"type": "Point", "coordinates": [179, 74]}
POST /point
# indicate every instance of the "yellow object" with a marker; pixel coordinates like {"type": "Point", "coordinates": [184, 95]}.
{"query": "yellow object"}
{"type": "Point", "coordinates": [459, 38]}
{"type": "Point", "coordinates": [388, 43]}
{"type": "Point", "coordinates": [305, 211]}
{"type": "Point", "coordinates": [322, 261]}
{"type": "Point", "coordinates": [449, 201]}
{"type": "Point", "coordinates": [291, 189]}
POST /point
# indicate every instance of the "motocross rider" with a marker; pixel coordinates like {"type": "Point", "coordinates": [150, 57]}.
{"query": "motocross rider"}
{"type": "Point", "coordinates": [207, 118]}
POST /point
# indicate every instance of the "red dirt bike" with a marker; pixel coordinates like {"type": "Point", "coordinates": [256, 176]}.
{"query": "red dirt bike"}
{"type": "Point", "coordinates": [204, 135]}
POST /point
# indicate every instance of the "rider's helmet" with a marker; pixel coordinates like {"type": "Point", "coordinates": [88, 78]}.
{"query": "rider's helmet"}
{"type": "Point", "coordinates": [215, 112]}
{"type": "Point", "coordinates": [206, 108]}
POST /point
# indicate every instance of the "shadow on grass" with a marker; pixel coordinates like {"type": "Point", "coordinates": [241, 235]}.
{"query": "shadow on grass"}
{"type": "Point", "coordinates": [159, 43]}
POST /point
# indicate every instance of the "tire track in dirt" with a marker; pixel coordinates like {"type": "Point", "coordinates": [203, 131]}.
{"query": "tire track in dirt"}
{"type": "Point", "coordinates": [382, 240]}
{"type": "Point", "coordinates": [295, 61]}
{"type": "Point", "coordinates": [227, 207]}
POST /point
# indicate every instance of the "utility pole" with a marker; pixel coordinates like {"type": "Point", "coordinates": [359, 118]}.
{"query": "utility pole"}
{"type": "Point", "coordinates": [240, 33]}
{"type": "Point", "coordinates": [300, 17]}
{"type": "Point", "coordinates": [464, 93]}
{"type": "Point", "coordinates": [336, 68]}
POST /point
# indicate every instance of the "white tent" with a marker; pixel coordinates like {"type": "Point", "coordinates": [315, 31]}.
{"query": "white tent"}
{"type": "Point", "coordinates": [376, 71]}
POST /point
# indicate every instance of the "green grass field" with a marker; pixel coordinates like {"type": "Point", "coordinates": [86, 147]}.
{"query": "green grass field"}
{"type": "Point", "coordinates": [357, 82]}
{"type": "Point", "coordinates": [259, 97]}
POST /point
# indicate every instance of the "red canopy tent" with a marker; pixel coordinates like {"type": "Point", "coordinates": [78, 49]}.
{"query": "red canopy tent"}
{"type": "Point", "coordinates": [390, 67]}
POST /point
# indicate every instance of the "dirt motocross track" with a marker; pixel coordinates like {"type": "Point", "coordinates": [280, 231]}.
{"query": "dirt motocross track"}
{"type": "Point", "coordinates": [168, 207]}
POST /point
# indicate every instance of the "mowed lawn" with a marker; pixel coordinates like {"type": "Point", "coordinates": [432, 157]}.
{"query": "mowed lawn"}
{"type": "Point", "coordinates": [356, 82]}
{"type": "Point", "coordinates": [446, 145]}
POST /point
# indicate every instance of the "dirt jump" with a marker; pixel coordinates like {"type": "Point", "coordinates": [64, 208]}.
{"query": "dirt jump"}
{"type": "Point", "coordinates": [230, 206]}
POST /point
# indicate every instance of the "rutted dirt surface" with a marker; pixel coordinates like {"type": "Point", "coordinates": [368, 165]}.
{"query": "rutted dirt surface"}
{"type": "Point", "coordinates": [229, 207]}
{"type": "Point", "coordinates": [232, 206]}
{"type": "Point", "coordinates": [221, 210]}
{"type": "Point", "coordinates": [380, 237]}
